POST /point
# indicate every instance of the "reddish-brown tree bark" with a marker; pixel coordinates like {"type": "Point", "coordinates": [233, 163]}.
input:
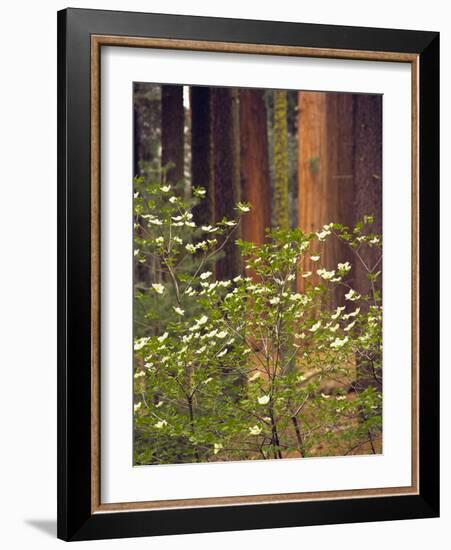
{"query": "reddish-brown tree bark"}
{"type": "Point", "coordinates": [255, 183]}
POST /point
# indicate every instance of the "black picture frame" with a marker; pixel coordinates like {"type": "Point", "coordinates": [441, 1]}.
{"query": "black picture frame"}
{"type": "Point", "coordinates": [76, 521]}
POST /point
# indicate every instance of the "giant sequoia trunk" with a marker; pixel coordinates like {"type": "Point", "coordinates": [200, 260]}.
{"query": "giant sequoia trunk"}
{"type": "Point", "coordinates": [225, 137]}
{"type": "Point", "coordinates": [281, 216]}
{"type": "Point", "coordinates": [172, 132]}
{"type": "Point", "coordinates": [201, 152]}
{"type": "Point", "coordinates": [340, 181]}
{"type": "Point", "coordinates": [333, 174]}
{"type": "Point", "coordinates": [255, 183]}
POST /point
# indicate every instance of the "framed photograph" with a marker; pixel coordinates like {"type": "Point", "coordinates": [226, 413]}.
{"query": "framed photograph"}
{"type": "Point", "coordinates": [248, 274]}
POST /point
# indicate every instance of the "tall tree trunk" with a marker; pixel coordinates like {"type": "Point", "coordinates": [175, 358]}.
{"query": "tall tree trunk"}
{"type": "Point", "coordinates": [202, 153]}
{"type": "Point", "coordinates": [281, 216]}
{"type": "Point", "coordinates": [225, 134]}
{"type": "Point", "coordinates": [172, 132]}
{"type": "Point", "coordinates": [326, 174]}
{"type": "Point", "coordinates": [313, 203]}
{"type": "Point", "coordinates": [340, 180]}
{"type": "Point", "coordinates": [368, 201]}
{"type": "Point", "coordinates": [136, 141]}
{"type": "Point", "coordinates": [255, 183]}
{"type": "Point", "coordinates": [368, 172]}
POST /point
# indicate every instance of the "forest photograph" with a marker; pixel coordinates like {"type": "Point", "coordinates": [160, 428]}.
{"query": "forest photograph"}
{"type": "Point", "coordinates": [257, 265]}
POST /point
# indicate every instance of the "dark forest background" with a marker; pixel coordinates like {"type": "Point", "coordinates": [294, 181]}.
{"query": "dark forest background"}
{"type": "Point", "coordinates": [301, 159]}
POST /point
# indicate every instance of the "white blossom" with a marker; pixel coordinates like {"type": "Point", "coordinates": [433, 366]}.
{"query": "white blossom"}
{"type": "Point", "coordinates": [263, 400]}
{"type": "Point", "coordinates": [140, 343]}
{"type": "Point", "coordinates": [209, 228]}
{"type": "Point", "coordinates": [339, 343]}
{"type": "Point", "coordinates": [352, 295]}
{"type": "Point", "coordinates": [316, 326]}
{"type": "Point", "coordinates": [159, 289]}
{"type": "Point", "coordinates": [326, 275]}
{"type": "Point", "coordinates": [205, 275]}
{"type": "Point", "coordinates": [161, 424]}
{"type": "Point", "coordinates": [353, 314]}
{"type": "Point", "coordinates": [323, 234]}
{"type": "Point", "coordinates": [154, 221]}
{"type": "Point", "coordinates": [337, 312]}
{"type": "Point", "coordinates": [255, 430]}
{"type": "Point", "coordinates": [178, 310]}
{"type": "Point", "coordinates": [344, 267]}
{"type": "Point", "coordinates": [242, 207]}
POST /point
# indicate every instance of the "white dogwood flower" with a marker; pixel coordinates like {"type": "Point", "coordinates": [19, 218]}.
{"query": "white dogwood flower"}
{"type": "Point", "coordinates": [255, 430]}
{"type": "Point", "coordinates": [339, 343]}
{"type": "Point", "coordinates": [316, 326]}
{"type": "Point", "coordinates": [140, 343]}
{"type": "Point", "coordinates": [352, 295]}
{"type": "Point", "coordinates": [243, 207]}
{"type": "Point", "coordinates": [161, 424]}
{"type": "Point", "coordinates": [344, 267]}
{"type": "Point", "coordinates": [159, 289]}
{"type": "Point", "coordinates": [326, 275]}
